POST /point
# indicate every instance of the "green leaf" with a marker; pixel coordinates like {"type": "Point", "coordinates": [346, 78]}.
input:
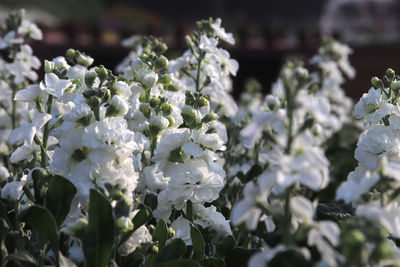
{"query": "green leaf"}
{"type": "Point", "coordinates": [37, 179]}
{"type": "Point", "coordinates": [225, 246]}
{"type": "Point", "coordinates": [215, 262]}
{"type": "Point", "coordinates": [198, 243]}
{"type": "Point", "coordinates": [43, 225]}
{"type": "Point", "coordinates": [142, 217]}
{"type": "Point", "coordinates": [22, 257]}
{"type": "Point", "coordinates": [172, 251]}
{"type": "Point", "coordinates": [59, 197]}
{"type": "Point", "coordinates": [160, 233]}
{"type": "Point", "coordinates": [179, 263]}
{"type": "Point", "coordinates": [239, 256]}
{"type": "Point", "coordinates": [99, 237]}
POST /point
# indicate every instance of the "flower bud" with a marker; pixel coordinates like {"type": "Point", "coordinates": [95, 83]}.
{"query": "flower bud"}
{"type": "Point", "coordinates": [145, 109]}
{"type": "Point", "coordinates": [144, 98]}
{"type": "Point", "coordinates": [154, 101]}
{"type": "Point", "coordinates": [83, 59]}
{"type": "Point", "coordinates": [165, 79]}
{"type": "Point", "coordinates": [77, 228]}
{"type": "Point", "coordinates": [376, 82]}
{"type": "Point", "coordinates": [102, 72]}
{"type": "Point", "coordinates": [354, 238]}
{"type": "Point", "coordinates": [390, 74]}
{"type": "Point", "coordinates": [49, 66]}
{"type": "Point", "coordinates": [383, 250]}
{"type": "Point", "coordinates": [117, 107]}
{"type": "Point", "coordinates": [161, 62]}
{"type": "Point", "coordinates": [94, 101]}
{"type": "Point", "coordinates": [90, 77]}
{"type": "Point", "coordinates": [203, 101]}
{"type": "Point", "coordinates": [190, 115]}
{"type": "Point", "coordinates": [166, 108]}
{"type": "Point", "coordinates": [395, 85]}
{"type": "Point", "coordinates": [209, 117]}
{"type": "Point", "coordinates": [272, 102]}
{"type": "Point", "coordinates": [171, 121]}
{"type": "Point", "coordinates": [171, 232]}
{"type": "Point", "coordinates": [124, 224]}
{"type": "Point", "coordinates": [70, 55]}
{"type": "Point", "coordinates": [157, 123]}
{"type": "Point", "coordinates": [154, 249]}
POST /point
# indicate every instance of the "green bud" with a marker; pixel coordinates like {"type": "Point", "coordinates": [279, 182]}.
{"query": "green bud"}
{"type": "Point", "coordinates": [90, 77]}
{"type": "Point", "coordinates": [117, 194]}
{"type": "Point", "coordinates": [143, 98]}
{"type": "Point", "coordinates": [383, 250]}
{"type": "Point", "coordinates": [161, 62]}
{"type": "Point", "coordinates": [145, 109]}
{"type": "Point", "coordinates": [166, 108]}
{"type": "Point", "coordinates": [83, 59]}
{"type": "Point", "coordinates": [395, 85]}
{"type": "Point", "coordinates": [157, 123]}
{"type": "Point", "coordinates": [101, 72]}
{"type": "Point", "coordinates": [171, 232]}
{"type": "Point", "coordinates": [165, 79]}
{"type": "Point", "coordinates": [171, 121]}
{"type": "Point", "coordinates": [49, 66]}
{"type": "Point", "coordinates": [154, 102]}
{"type": "Point", "coordinates": [189, 114]}
{"type": "Point", "coordinates": [354, 238]}
{"type": "Point", "coordinates": [94, 101]}
{"type": "Point", "coordinates": [154, 249]}
{"type": "Point", "coordinates": [390, 74]}
{"type": "Point", "coordinates": [70, 55]}
{"type": "Point", "coordinates": [203, 101]}
{"type": "Point", "coordinates": [78, 228]}
{"type": "Point", "coordinates": [176, 155]}
{"type": "Point", "coordinates": [124, 224]}
{"type": "Point", "coordinates": [43, 191]}
{"type": "Point", "coordinates": [209, 117]}
{"type": "Point", "coordinates": [376, 82]}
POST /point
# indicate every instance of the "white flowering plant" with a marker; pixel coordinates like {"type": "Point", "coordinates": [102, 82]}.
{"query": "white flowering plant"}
{"type": "Point", "coordinates": [157, 164]}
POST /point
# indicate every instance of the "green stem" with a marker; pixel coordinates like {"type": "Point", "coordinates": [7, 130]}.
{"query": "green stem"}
{"type": "Point", "coordinates": [14, 110]}
{"type": "Point", "coordinates": [46, 132]}
{"type": "Point", "coordinates": [189, 210]}
{"type": "Point", "coordinates": [97, 114]}
{"type": "Point", "coordinates": [200, 59]}
{"type": "Point", "coordinates": [286, 220]}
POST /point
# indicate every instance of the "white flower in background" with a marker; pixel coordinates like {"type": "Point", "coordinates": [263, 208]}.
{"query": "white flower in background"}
{"type": "Point", "coordinates": [210, 218]}
{"type": "Point", "coordinates": [140, 236]}
{"type": "Point", "coordinates": [181, 227]}
{"type": "Point", "coordinates": [27, 130]}
{"type": "Point", "coordinates": [9, 39]}
{"type": "Point", "coordinates": [358, 182]}
{"type": "Point", "coordinates": [221, 33]}
{"type": "Point", "coordinates": [14, 189]}
{"type": "Point", "coordinates": [31, 29]}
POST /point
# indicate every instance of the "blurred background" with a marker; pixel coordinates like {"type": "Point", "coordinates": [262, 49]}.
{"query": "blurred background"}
{"type": "Point", "coordinates": [266, 31]}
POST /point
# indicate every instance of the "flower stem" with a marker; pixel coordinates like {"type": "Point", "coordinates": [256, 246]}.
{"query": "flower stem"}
{"type": "Point", "coordinates": [46, 131]}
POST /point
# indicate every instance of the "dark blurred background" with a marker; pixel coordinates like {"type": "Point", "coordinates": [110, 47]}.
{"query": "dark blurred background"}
{"type": "Point", "coordinates": [266, 32]}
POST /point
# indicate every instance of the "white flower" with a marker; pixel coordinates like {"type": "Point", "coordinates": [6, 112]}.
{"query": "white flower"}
{"type": "Point", "coordinates": [32, 93]}
{"type": "Point", "coordinates": [369, 103]}
{"type": "Point", "coordinates": [302, 209]}
{"type": "Point", "coordinates": [358, 182]}
{"type": "Point", "coordinates": [140, 236]}
{"type": "Point", "coordinates": [14, 189]}
{"type": "Point", "coordinates": [221, 33]}
{"type": "Point", "coordinates": [27, 27]}
{"type": "Point", "coordinates": [54, 85]}
{"type": "Point", "coordinates": [10, 39]}
{"type": "Point", "coordinates": [23, 152]}
{"type": "Point", "coordinates": [193, 180]}
{"type": "Point", "coordinates": [374, 144]}
{"type": "Point", "coordinates": [209, 217]}
{"type": "Point", "coordinates": [27, 130]}
{"type": "Point", "coordinates": [120, 106]}
{"type": "Point", "coordinates": [181, 227]}
{"type": "Point", "coordinates": [4, 173]}
{"type": "Point", "coordinates": [388, 216]}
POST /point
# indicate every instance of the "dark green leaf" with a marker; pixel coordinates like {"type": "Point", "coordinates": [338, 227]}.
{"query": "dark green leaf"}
{"type": "Point", "coordinates": [215, 262]}
{"type": "Point", "coordinates": [43, 225]}
{"type": "Point", "coordinates": [22, 256]}
{"type": "Point", "coordinates": [160, 233]}
{"type": "Point", "coordinates": [37, 179]}
{"type": "Point", "coordinates": [134, 259]}
{"type": "Point", "coordinates": [59, 197]}
{"type": "Point", "coordinates": [172, 251]}
{"type": "Point", "coordinates": [142, 217]}
{"type": "Point", "coordinates": [239, 256]}
{"type": "Point", "coordinates": [179, 263]}
{"type": "Point", "coordinates": [198, 243]}
{"type": "Point", "coordinates": [225, 246]}
{"type": "Point", "coordinates": [99, 237]}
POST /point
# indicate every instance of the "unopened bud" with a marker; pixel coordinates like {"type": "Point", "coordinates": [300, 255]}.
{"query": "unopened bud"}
{"type": "Point", "coordinates": [209, 117]}
{"type": "Point", "coordinates": [203, 101]}
{"type": "Point", "coordinates": [161, 62]}
{"type": "Point", "coordinates": [83, 59]}
{"type": "Point", "coordinates": [145, 109]}
{"type": "Point", "coordinates": [157, 123]}
{"type": "Point", "coordinates": [166, 108]}
{"type": "Point", "coordinates": [171, 232]}
{"type": "Point", "coordinates": [190, 115]}
{"type": "Point", "coordinates": [154, 102]}
{"type": "Point", "coordinates": [395, 85]}
{"type": "Point", "coordinates": [49, 66]}
{"type": "Point", "coordinates": [90, 77]}
{"type": "Point", "coordinates": [390, 74]}
{"type": "Point", "coordinates": [376, 82]}
{"type": "Point", "coordinates": [70, 55]}
{"type": "Point", "coordinates": [124, 224]}
{"type": "Point", "coordinates": [165, 79]}
{"type": "Point", "coordinates": [154, 249]}
{"type": "Point", "coordinates": [94, 101]}
{"type": "Point", "coordinates": [102, 72]}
